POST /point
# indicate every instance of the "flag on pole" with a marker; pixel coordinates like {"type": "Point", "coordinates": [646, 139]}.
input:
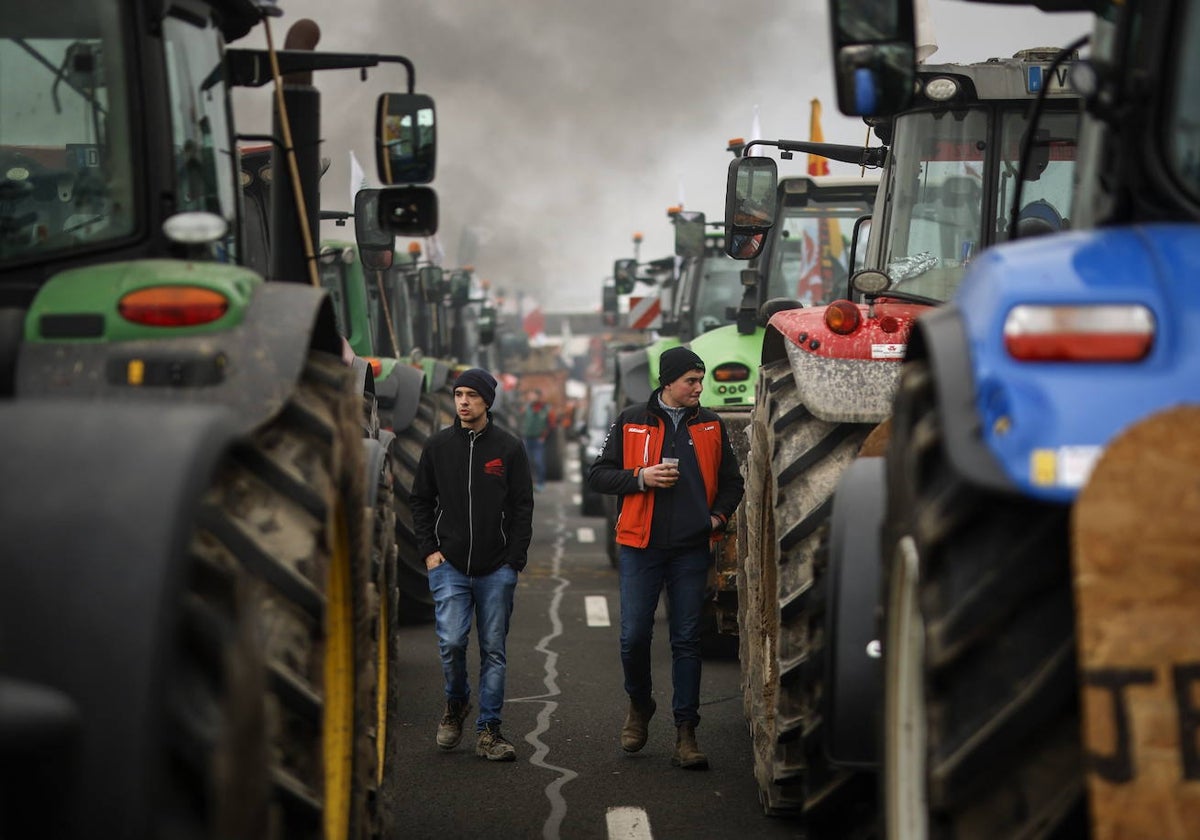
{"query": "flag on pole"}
{"type": "Point", "coordinates": [927, 43]}
{"type": "Point", "coordinates": [533, 321]}
{"type": "Point", "coordinates": [755, 134]}
{"type": "Point", "coordinates": [817, 165]}
{"type": "Point", "coordinates": [358, 178]}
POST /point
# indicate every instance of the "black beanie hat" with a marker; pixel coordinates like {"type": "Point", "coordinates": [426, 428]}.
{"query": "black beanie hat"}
{"type": "Point", "coordinates": [676, 362]}
{"type": "Point", "coordinates": [481, 381]}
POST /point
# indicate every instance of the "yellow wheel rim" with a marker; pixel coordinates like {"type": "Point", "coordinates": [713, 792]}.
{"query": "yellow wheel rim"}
{"type": "Point", "coordinates": [381, 689]}
{"type": "Point", "coordinates": [338, 714]}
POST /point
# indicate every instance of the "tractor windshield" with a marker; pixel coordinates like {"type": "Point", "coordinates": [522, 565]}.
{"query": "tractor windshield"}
{"type": "Point", "coordinates": [811, 250]}
{"type": "Point", "coordinates": [954, 179]}
{"type": "Point", "coordinates": [1183, 118]}
{"type": "Point", "coordinates": [66, 173]}
{"type": "Point", "coordinates": [720, 289]}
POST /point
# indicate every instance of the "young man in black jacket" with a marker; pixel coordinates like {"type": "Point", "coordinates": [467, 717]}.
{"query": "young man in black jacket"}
{"type": "Point", "coordinates": [472, 507]}
{"type": "Point", "coordinates": [672, 465]}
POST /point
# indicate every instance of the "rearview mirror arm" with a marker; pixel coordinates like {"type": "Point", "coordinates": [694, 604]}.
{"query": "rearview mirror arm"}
{"type": "Point", "coordinates": [870, 157]}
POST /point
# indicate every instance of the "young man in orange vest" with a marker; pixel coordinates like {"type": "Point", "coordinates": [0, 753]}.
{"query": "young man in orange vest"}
{"type": "Point", "coordinates": [672, 465]}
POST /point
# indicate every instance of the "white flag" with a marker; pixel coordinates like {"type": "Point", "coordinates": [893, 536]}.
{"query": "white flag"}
{"type": "Point", "coordinates": [927, 43]}
{"type": "Point", "coordinates": [358, 178]}
{"type": "Point", "coordinates": [755, 134]}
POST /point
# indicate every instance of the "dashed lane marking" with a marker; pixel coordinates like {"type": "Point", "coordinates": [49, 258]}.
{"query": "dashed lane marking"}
{"type": "Point", "coordinates": [585, 534]}
{"type": "Point", "coordinates": [596, 607]}
{"type": "Point", "coordinates": [628, 823]}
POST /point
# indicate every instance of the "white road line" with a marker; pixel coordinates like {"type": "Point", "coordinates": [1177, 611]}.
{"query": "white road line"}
{"type": "Point", "coordinates": [628, 823]}
{"type": "Point", "coordinates": [596, 607]}
{"type": "Point", "coordinates": [585, 534]}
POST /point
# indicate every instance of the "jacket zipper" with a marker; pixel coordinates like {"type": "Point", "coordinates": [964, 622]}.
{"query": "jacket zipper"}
{"type": "Point", "coordinates": [470, 499]}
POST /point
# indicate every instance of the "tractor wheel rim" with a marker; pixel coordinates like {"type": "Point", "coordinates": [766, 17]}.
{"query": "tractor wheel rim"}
{"type": "Point", "coordinates": [381, 688]}
{"type": "Point", "coordinates": [906, 737]}
{"type": "Point", "coordinates": [338, 710]}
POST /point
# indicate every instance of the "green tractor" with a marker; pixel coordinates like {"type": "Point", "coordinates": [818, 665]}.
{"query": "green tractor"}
{"type": "Point", "coordinates": [189, 584]}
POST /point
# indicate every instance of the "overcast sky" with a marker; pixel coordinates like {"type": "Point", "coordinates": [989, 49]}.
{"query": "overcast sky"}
{"type": "Point", "coordinates": [564, 128]}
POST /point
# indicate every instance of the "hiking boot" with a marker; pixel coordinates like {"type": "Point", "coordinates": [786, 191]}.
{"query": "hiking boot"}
{"type": "Point", "coordinates": [493, 746]}
{"type": "Point", "coordinates": [687, 753]}
{"type": "Point", "coordinates": [449, 731]}
{"type": "Point", "coordinates": [637, 725]}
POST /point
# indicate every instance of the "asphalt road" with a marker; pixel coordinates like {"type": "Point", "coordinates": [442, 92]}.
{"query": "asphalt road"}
{"type": "Point", "coordinates": [564, 710]}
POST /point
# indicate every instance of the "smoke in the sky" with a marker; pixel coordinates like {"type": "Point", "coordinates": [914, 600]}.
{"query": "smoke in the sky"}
{"type": "Point", "coordinates": [565, 128]}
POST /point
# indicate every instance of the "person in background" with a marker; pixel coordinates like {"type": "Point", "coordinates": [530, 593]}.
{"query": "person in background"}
{"type": "Point", "coordinates": [472, 508]}
{"type": "Point", "coordinates": [669, 515]}
{"type": "Point", "coordinates": [534, 425]}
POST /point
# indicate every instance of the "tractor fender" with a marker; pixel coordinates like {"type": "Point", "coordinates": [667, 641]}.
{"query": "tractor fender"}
{"type": "Point", "coordinates": [853, 705]}
{"type": "Point", "coordinates": [99, 509]}
{"type": "Point", "coordinates": [633, 371]}
{"type": "Point", "coordinates": [251, 369]}
{"type": "Point", "coordinates": [940, 337]}
{"type": "Point", "coordinates": [399, 395]}
{"type": "Point", "coordinates": [375, 453]}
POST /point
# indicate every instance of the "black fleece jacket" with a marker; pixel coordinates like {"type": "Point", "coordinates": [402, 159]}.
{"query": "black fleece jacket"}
{"type": "Point", "coordinates": [472, 499]}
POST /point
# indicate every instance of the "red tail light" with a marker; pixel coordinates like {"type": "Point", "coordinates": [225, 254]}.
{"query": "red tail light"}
{"type": "Point", "coordinates": [173, 306]}
{"type": "Point", "coordinates": [842, 317]}
{"type": "Point", "coordinates": [1095, 333]}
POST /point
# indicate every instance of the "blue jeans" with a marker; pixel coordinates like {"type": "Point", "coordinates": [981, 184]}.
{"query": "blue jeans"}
{"type": "Point", "coordinates": [644, 572]}
{"type": "Point", "coordinates": [490, 597]}
{"type": "Point", "coordinates": [536, 447]}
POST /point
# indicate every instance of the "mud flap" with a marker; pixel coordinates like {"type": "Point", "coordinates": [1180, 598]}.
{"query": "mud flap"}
{"type": "Point", "coordinates": [1135, 530]}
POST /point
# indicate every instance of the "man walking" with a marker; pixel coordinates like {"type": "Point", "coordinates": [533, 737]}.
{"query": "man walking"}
{"type": "Point", "coordinates": [472, 508]}
{"type": "Point", "coordinates": [672, 465]}
{"type": "Point", "coordinates": [535, 428]}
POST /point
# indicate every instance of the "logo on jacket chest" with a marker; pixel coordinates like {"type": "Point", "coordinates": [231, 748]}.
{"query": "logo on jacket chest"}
{"type": "Point", "coordinates": [494, 467]}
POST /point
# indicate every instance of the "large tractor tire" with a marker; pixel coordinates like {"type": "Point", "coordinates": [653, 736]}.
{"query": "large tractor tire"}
{"type": "Point", "coordinates": [413, 601]}
{"type": "Point", "coordinates": [1135, 528]}
{"type": "Point", "coordinates": [981, 721]}
{"type": "Point", "coordinates": [795, 461]}
{"type": "Point", "coordinates": [384, 598]}
{"type": "Point", "coordinates": [282, 534]}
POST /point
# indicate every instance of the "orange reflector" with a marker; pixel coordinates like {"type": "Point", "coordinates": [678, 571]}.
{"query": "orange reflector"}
{"type": "Point", "coordinates": [731, 372]}
{"type": "Point", "coordinates": [173, 306]}
{"type": "Point", "coordinates": [1097, 333]}
{"type": "Point", "coordinates": [842, 317]}
{"type": "Point", "coordinates": [376, 366]}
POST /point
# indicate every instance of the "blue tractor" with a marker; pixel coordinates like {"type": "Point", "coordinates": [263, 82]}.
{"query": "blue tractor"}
{"type": "Point", "coordinates": [1038, 488]}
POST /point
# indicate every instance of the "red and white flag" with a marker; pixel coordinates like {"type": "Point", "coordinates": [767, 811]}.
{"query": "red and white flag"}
{"type": "Point", "coordinates": [533, 321]}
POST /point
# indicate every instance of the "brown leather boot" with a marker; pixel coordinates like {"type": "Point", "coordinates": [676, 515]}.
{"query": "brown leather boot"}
{"type": "Point", "coordinates": [687, 753]}
{"type": "Point", "coordinates": [637, 724]}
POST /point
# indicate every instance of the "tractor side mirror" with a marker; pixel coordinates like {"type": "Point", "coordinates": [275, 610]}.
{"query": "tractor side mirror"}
{"type": "Point", "coordinates": [749, 205]}
{"type": "Point", "coordinates": [408, 211]}
{"type": "Point", "coordinates": [460, 288]}
{"type": "Point", "coordinates": [431, 283]}
{"type": "Point", "coordinates": [874, 55]}
{"type": "Point", "coordinates": [376, 245]}
{"type": "Point", "coordinates": [487, 325]}
{"type": "Point", "coordinates": [624, 276]}
{"type": "Point", "coordinates": [689, 234]}
{"type": "Point", "coordinates": [405, 138]}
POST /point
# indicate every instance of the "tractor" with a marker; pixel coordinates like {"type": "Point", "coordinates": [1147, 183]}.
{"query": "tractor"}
{"type": "Point", "coordinates": [187, 581]}
{"type": "Point", "coordinates": [1030, 523]}
{"type": "Point", "coordinates": [949, 168]}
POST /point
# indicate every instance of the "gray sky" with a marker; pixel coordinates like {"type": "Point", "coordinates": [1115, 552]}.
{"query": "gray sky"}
{"type": "Point", "coordinates": [563, 128]}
